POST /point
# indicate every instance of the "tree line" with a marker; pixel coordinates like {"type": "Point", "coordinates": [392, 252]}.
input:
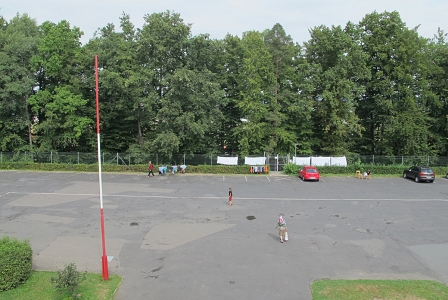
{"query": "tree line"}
{"type": "Point", "coordinates": [375, 87]}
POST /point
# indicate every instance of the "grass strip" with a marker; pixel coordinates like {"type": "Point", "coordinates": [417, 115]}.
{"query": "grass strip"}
{"type": "Point", "coordinates": [38, 287]}
{"type": "Point", "coordinates": [378, 289]}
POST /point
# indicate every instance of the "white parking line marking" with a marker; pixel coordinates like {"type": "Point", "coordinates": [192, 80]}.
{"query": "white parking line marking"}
{"type": "Point", "coordinates": [245, 177]}
{"type": "Point", "coordinates": [240, 198]}
{"type": "Point", "coordinates": [268, 178]}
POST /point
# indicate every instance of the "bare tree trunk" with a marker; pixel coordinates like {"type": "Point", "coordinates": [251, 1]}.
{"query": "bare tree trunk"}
{"type": "Point", "coordinates": [140, 136]}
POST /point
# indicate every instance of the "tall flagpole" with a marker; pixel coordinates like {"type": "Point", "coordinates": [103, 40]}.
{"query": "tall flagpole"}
{"type": "Point", "coordinates": [103, 238]}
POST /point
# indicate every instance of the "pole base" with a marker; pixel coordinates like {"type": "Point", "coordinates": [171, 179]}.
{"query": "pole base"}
{"type": "Point", "coordinates": [105, 267]}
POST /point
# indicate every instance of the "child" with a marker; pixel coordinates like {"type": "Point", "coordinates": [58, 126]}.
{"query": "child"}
{"type": "Point", "coordinates": [150, 168]}
{"type": "Point", "coordinates": [230, 196]}
{"type": "Point", "coordinates": [282, 229]}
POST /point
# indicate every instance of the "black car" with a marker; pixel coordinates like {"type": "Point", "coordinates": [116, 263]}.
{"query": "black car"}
{"type": "Point", "coordinates": [419, 174]}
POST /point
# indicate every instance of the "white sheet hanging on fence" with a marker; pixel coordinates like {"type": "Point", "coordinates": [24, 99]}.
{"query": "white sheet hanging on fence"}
{"type": "Point", "coordinates": [224, 160]}
{"type": "Point", "coordinates": [339, 161]}
{"type": "Point", "coordinates": [320, 161]}
{"type": "Point", "coordinates": [301, 161]}
{"type": "Point", "coordinates": [254, 161]}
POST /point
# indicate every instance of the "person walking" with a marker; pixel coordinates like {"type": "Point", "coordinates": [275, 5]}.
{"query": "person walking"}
{"type": "Point", "coordinates": [150, 168]}
{"type": "Point", "coordinates": [230, 196]}
{"type": "Point", "coordinates": [281, 225]}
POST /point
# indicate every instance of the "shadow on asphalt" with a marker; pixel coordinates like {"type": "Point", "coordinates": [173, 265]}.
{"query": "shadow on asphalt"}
{"type": "Point", "coordinates": [274, 236]}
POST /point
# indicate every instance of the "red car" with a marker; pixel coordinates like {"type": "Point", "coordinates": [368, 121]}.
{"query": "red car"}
{"type": "Point", "coordinates": [309, 173]}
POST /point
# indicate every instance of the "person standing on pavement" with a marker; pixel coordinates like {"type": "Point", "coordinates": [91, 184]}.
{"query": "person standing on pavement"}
{"type": "Point", "coordinates": [230, 196]}
{"type": "Point", "coordinates": [150, 168]}
{"type": "Point", "coordinates": [281, 225]}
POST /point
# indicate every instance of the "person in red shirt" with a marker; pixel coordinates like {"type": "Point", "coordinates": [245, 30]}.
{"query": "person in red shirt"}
{"type": "Point", "coordinates": [230, 196]}
{"type": "Point", "coordinates": [150, 168]}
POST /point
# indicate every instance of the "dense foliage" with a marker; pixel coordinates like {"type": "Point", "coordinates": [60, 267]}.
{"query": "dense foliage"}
{"type": "Point", "coordinates": [16, 259]}
{"type": "Point", "coordinates": [290, 169]}
{"type": "Point", "coordinates": [375, 87]}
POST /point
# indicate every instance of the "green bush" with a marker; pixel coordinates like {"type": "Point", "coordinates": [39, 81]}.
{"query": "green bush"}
{"type": "Point", "coordinates": [213, 169]}
{"type": "Point", "coordinates": [16, 260]}
{"type": "Point", "coordinates": [218, 169]}
{"type": "Point", "coordinates": [68, 279]}
{"type": "Point", "coordinates": [291, 169]}
{"type": "Point", "coordinates": [72, 167]}
{"type": "Point", "coordinates": [207, 169]}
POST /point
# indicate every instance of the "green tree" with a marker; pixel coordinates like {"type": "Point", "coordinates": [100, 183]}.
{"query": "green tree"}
{"type": "Point", "coordinates": [58, 55]}
{"type": "Point", "coordinates": [299, 105]}
{"type": "Point", "coordinates": [394, 107]}
{"type": "Point", "coordinates": [63, 122]}
{"type": "Point", "coordinates": [337, 64]}
{"type": "Point", "coordinates": [124, 91]}
{"type": "Point", "coordinates": [190, 111]}
{"type": "Point", "coordinates": [162, 46]}
{"type": "Point", "coordinates": [437, 56]}
{"type": "Point", "coordinates": [288, 114]}
{"type": "Point", "coordinates": [256, 103]}
{"type": "Point", "coordinates": [161, 50]}
{"type": "Point", "coordinates": [18, 43]}
{"type": "Point", "coordinates": [202, 53]}
{"type": "Point", "coordinates": [229, 63]}
{"type": "Point", "coordinates": [205, 58]}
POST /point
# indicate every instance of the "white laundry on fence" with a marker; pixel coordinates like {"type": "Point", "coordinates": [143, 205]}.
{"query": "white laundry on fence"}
{"type": "Point", "coordinates": [224, 160]}
{"type": "Point", "coordinates": [255, 160]}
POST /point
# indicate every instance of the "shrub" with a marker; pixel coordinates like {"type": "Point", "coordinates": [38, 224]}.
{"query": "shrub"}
{"type": "Point", "coordinates": [214, 169]}
{"type": "Point", "coordinates": [292, 169]}
{"type": "Point", "coordinates": [16, 260]}
{"type": "Point", "coordinates": [219, 169]}
{"type": "Point", "coordinates": [68, 279]}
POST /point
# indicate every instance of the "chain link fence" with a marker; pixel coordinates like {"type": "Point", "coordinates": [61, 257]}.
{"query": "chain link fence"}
{"type": "Point", "coordinates": [275, 161]}
{"type": "Point", "coordinates": [430, 161]}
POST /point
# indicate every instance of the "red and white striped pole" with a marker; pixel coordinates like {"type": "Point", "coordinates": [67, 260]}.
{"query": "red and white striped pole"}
{"type": "Point", "coordinates": [103, 238]}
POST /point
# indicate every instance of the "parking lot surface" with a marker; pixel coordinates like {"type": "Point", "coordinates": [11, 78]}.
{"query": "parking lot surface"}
{"type": "Point", "coordinates": [175, 237]}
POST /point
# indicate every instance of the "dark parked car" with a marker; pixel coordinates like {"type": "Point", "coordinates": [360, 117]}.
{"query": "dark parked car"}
{"type": "Point", "coordinates": [419, 174]}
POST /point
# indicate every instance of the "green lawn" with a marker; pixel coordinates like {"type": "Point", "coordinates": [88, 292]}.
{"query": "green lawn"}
{"type": "Point", "coordinates": [38, 287]}
{"type": "Point", "coordinates": [378, 290]}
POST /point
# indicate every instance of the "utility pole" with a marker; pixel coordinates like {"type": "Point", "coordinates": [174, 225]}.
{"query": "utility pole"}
{"type": "Point", "coordinates": [295, 153]}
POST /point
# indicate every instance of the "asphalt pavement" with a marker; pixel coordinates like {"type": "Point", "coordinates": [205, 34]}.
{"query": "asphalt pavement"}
{"type": "Point", "coordinates": [176, 237]}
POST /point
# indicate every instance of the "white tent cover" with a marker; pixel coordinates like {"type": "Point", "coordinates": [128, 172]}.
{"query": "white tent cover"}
{"type": "Point", "coordinates": [320, 161]}
{"type": "Point", "coordinates": [329, 161]}
{"type": "Point", "coordinates": [301, 161]}
{"type": "Point", "coordinates": [224, 160]}
{"type": "Point", "coordinates": [255, 161]}
{"type": "Point", "coordinates": [339, 161]}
